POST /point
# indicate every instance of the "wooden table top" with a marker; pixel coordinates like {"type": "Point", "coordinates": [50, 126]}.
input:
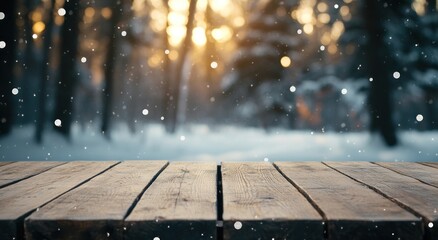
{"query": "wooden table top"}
{"type": "Point", "coordinates": [159, 200]}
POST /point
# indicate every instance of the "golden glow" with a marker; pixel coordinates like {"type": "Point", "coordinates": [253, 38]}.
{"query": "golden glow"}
{"type": "Point", "coordinates": [198, 36]}
{"type": "Point", "coordinates": [38, 27]}
{"type": "Point", "coordinates": [176, 34]}
{"type": "Point", "coordinates": [37, 16]}
{"type": "Point", "coordinates": [322, 7]}
{"type": "Point", "coordinates": [324, 18]}
{"type": "Point", "coordinates": [222, 34]}
{"type": "Point", "coordinates": [89, 12]}
{"type": "Point", "coordinates": [176, 18]}
{"type": "Point", "coordinates": [156, 3]}
{"type": "Point", "coordinates": [238, 21]}
{"type": "Point", "coordinates": [222, 7]}
{"type": "Point", "coordinates": [106, 12]}
{"type": "Point", "coordinates": [158, 22]}
{"type": "Point", "coordinates": [155, 60]}
{"type": "Point", "coordinates": [326, 38]}
{"type": "Point", "coordinates": [173, 55]}
{"type": "Point", "coordinates": [305, 15]}
{"type": "Point", "coordinates": [419, 6]}
{"type": "Point", "coordinates": [179, 5]}
{"type": "Point", "coordinates": [285, 61]}
{"type": "Point", "coordinates": [345, 11]}
{"type": "Point", "coordinates": [337, 30]}
{"type": "Point", "coordinates": [348, 1]}
{"type": "Point", "coordinates": [332, 48]}
{"type": "Point", "coordinates": [308, 28]}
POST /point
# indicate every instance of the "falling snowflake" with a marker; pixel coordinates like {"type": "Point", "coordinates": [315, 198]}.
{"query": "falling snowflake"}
{"type": "Point", "coordinates": [292, 89]}
{"type": "Point", "coordinates": [2, 15]}
{"type": "Point", "coordinates": [344, 91]}
{"type": "Point", "coordinates": [430, 225]}
{"type": "Point", "coordinates": [2, 44]}
{"type": "Point", "coordinates": [58, 122]}
{"type": "Point", "coordinates": [237, 225]}
{"type": "Point", "coordinates": [83, 59]}
{"type": "Point", "coordinates": [61, 12]}
{"type": "Point", "coordinates": [266, 159]}
{"type": "Point", "coordinates": [123, 33]}
{"type": "Point", "coordinates": [396, 75]}
{"type": "Point", "coordinates": [182, 138]}
{"type": "Point", "coordinates": [145, 112]}
{"type": "Point", "coordinates": [213, 65]}
{"type": "Point", "coordinates": [15, 91]}
{"type": "Point", "coordinates": [419, 118]}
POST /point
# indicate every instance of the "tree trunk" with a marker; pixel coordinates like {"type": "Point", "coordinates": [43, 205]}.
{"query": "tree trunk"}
{"type": "Point", "coordinates": [7, 59]}
{"type": "Point", "coordinates": [109, 69]}
{"type": "Point", "coordinates": [179, 68]}
{"type": "Point", "coordinates": [167, 75]}
{"type": "Point", "coordinates": [67, 76]}
{"type": "Point", "coordinates": [379, 67]}
{"type": "Point", "coordinates": [45, 76]}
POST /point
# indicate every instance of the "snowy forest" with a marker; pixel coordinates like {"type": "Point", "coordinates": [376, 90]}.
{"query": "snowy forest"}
{"type": "Point", "coordinates": [124, 69]}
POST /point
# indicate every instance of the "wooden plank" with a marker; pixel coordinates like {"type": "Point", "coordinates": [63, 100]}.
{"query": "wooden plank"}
{"type": "Point", "coordinates": [412, 194]}
{"type": "Point", "coordinates": [17, 171]}
{"type": "Point", "coordinates": [352, 210]}
{"type": "Point", "coordinates": [180, 204]}
{"type": "Point", "coordinates": [430, 164]}
{"type": "Point", "coordinates": [4, 163]}
{"type": "Point", "coordinates": [418, 171]}
{"type": "Point", "coordinates": [96, 209]}
{"type": "Point", "coordinates": [20, 199]}
{"type": "Point", "coordinates": [259, 203]}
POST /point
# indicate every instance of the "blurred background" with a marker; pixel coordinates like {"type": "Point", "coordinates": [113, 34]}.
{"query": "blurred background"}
{"type": "Point", "coordinates": [126, 69]}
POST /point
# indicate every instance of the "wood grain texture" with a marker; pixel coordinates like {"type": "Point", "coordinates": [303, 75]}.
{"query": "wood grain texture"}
{"type": "Point", "coordinates": [431, 164]}
{"type": "Point", "coordinates": [181, 203]}
{"type": "Point", "coordinates": [4, 163]}
{"type": "Point", "coordinates": [418, 171]}
{"type": "Point", "coordinates": [266, 205]}
{"type": "Point", "coordinates": [411, 193]}
{"type": "Point", "coordinates": [22, 198]}
{"type": "Point", "coordinates": [352, 210]}
{"type": "Point", "coordinates": [96, 209]}
{"type": "Point", "coordinates": [17, 171]}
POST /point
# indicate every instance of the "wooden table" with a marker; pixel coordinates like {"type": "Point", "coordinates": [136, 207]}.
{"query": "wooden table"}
{"type": "Point", "coordinates": [159, 200]}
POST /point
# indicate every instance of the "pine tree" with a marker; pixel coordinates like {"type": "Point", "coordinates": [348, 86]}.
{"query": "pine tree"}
{"type": "Point", "coordinates": [255, 84]}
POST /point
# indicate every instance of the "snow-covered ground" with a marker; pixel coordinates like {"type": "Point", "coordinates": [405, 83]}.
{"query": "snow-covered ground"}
{"type": "Point", "coordinates": [226, 143]}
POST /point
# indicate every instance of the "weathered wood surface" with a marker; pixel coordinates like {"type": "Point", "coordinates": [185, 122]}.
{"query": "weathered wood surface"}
{"type": "Point", "coordinates": [259, 203]}
{"type": "Point", "coordinates": [180, 204]}
{"type": "Point", "coordinates": [412, 194]}
{"type": "Point", "coordinates": [352, 210]}
{"type": "Point", "coordinates": [22, 198]}
{"type": "Point", "coordinates": [17, 171]}
{"type": "Point", "coordinates": [96, 209]}
{"type": "Point", "coordinates": [423, 173]}
{"type": "Point", "coordinates": [431, 164]}
{"type": "Point", "coordinates": [150, 199]}
{"type": "Point", "coordinates": [4, 163]}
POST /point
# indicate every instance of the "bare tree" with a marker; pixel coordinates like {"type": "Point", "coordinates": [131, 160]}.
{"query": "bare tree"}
{"type": "Point", "coordinates": [45, 76]}
{"type": "Point", "coordinates": [175, 86]}
{"type": "Point", "coordinates": [110, 61]}
{"type": "Point", "coordinates": [379, 65]}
